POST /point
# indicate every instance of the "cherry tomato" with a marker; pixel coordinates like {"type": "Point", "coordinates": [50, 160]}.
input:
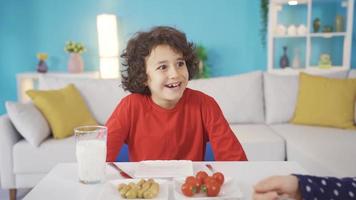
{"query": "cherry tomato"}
{"type": "Point", "coordinates": [212, 189]}
{"type": "Point", "coordinates": [188, 189]}
{"type": "Point", "coordinates": [201, 175]}
{"type": "Point", "coordinates": [193, 181]}
{"type": "Point", "coordinates": [219, 177]}
{"type": "Point", "coordinates": [190, 179]}
{"type": "Point", "coordinates": [209, 179]}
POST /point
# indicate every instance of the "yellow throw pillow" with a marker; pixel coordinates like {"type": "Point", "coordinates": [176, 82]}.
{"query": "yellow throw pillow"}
{"type": "Point", "coordinates": [325, 102]}
{"type": "Point", "coordinates": [64, 109]}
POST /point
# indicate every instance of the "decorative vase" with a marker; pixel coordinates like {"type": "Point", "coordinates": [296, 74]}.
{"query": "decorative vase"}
{"type": "Point", "coordinates": [301, 30]}
{"type": "Point", "coordinates": [339, 23]}
{"type": "Point", "coordinates": [296, 59]}
{"type": "Point", "coordinates": [281, 30]}
{"type": "Point", "coordinates": [292, 30]}
{"type": "Point", "coordinates": [284, 61]}
{"type": "Point", "coordinates": [42, 67]}
{"type": "Point", "coordinates": [316, 25]}
{"type": "Point", "coordinates": [75, 63]}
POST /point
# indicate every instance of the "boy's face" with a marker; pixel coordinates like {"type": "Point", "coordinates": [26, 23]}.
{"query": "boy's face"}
{"type": "Point", "coordinates": [167, 75]}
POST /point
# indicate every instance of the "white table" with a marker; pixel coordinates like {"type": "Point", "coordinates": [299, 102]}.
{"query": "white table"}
{"type": "Point", "coordinates": [62, 181]}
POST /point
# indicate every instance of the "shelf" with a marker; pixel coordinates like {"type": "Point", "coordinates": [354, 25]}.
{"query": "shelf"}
{"type": "Point", "coordinates": [311, 69]}
{"type": "Point", "coordinates": [283, 2]}
{"type": "Point", "coordinates": [328, 35]}
{"type": "Point", "coordinates": [332, 68]}
{"type": "Point", "coordinates": [307, 48]}
{"type": "Point", "coordinates": [324, 35]}
{"type": "Point", "coordinates": [289, 36]}
{"type": "Point", "coordinates": [29, 80]}
{"type": "Point", "coordinates": [92, 74]}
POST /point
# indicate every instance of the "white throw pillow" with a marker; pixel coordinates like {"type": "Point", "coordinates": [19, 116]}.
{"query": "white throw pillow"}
{"type": "Point", "coordinates": [281, 95]}
{"type": "Point", "coordinates": [240, 97]}
{"type": "Point", "coordinates": [28, 121]}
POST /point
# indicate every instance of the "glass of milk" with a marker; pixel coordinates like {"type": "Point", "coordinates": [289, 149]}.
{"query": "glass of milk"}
{"type": "Point", "coordinates": [91, 153]}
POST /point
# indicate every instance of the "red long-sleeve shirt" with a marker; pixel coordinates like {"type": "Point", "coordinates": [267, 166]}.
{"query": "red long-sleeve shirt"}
{"type": "Point", "coordinates": [155, 133]}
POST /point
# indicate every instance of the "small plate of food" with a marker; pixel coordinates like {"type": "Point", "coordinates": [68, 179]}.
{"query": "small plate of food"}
{"type": "Point", "coordinates": [204, 186]}
{"type": "Point", "coordinates": [135, 189]}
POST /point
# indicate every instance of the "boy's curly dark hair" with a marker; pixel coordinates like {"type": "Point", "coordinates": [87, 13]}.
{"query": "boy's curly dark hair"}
{"type": "Point", "coordinates": [140, 46]}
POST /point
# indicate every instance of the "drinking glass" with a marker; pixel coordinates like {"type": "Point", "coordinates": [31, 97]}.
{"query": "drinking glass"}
{"type": "Point", "coordinates": [91, 153]}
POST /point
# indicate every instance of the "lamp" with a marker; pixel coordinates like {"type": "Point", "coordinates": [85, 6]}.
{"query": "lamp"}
{"type": "Point", "coordinates": [293, 3]}
{"type": "Point", "coordinates": [108, 45]}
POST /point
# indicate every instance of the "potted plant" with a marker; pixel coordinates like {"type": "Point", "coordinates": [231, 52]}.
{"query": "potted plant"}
{"type": "Point", "coordinates": [75, 62]}
{"type": "Point", "coordinates": [264, 20]}
{"type": "Point", "coordinates": [204, 68]}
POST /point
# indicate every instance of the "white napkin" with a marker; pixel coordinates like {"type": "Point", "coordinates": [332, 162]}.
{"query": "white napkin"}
{"type": "Point", "coordinates": [164, 168]}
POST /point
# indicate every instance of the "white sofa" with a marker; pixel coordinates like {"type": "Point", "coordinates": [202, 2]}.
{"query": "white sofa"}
{"type": "Point", "coordinates": [257, 105]}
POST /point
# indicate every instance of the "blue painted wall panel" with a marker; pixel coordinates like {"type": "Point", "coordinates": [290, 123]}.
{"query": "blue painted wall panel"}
{"type": "Point", "coordinates": [228, 29]}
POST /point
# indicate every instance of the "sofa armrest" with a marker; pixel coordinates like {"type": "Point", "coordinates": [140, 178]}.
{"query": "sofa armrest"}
{"type": "Point", "coordinates": [8, 138]}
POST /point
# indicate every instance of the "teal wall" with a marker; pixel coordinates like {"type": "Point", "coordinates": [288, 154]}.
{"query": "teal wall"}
{"type": "Point", "coordinates": [353, 52]}
{"type": "Point", "coordinates": [229, 29]}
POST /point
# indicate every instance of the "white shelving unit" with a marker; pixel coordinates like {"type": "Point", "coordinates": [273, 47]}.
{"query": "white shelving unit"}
{"type": "Point", "coordinates": [306, 41]}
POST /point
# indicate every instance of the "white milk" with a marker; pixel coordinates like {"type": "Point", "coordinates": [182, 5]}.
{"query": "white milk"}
{"type": "Point", "coordinates": [91, 159]}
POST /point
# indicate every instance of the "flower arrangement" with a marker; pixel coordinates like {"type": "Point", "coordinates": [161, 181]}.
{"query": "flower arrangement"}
{"type": "Point", "coordinates": [42, 56]}
{"type": "Point", "coordinates": [74, 47]}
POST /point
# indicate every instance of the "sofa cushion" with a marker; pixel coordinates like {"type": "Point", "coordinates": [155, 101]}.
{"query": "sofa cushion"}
{"type": "Point", "coordinates": [281, 95]}
{"type": "Point", "coordinates": [352, 73]}
{"type": "Point", "coordinates": [30, 159]}
{"type": "Point", "coordinates": [64, 109]}
{"type": "Point", "coordinates": [260, 142]}
{"type": "Point", "coordinates": [28, 121]}
{"type": "Point", "coordinates": [101, 95]}
{"type": "Point", "coordinates": [322, 151]}
{"type": "Point", "coordinates": [325, 102]}
{"type": "Point", "coordinates": [239, 97]}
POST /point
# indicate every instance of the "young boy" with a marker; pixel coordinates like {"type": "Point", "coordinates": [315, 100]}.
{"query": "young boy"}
{"type": "Point", "coordinates": [162, 119]}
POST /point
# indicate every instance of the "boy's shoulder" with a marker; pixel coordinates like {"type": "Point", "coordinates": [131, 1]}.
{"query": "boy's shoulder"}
{"type": "Point", "coordinates": [134, 98]}
{"type": "Point", "coordinates": [198, 95]}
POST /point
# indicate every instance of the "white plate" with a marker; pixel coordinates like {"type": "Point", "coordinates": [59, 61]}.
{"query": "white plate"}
{"type": "Point", "coordinates": [164, 168]}
{"type": "Point", "coordinates": [229, 190]}
{"type": "Point", "coordinates": [110, 191]}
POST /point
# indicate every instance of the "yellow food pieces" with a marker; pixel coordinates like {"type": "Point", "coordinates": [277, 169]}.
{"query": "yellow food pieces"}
{"type": "Point", "coordinates": [145, 189]}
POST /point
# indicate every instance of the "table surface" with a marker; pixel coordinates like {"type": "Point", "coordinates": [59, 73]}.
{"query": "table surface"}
{"type": "Point", "coordinates": [62, 181]}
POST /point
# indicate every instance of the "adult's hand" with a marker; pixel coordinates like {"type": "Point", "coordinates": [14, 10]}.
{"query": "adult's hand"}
{"type": "Point", "coordinates": [274, 187]}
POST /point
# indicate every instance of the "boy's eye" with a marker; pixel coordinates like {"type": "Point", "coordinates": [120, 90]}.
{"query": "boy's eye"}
{"type": "Point", "coordinates": [162, 67]}
{"type": "Point", "coordinates": [181, 63]}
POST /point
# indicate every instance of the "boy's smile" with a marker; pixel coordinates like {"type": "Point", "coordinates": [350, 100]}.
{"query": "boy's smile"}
{"type": "Point", "coordinates": [167, 75]}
